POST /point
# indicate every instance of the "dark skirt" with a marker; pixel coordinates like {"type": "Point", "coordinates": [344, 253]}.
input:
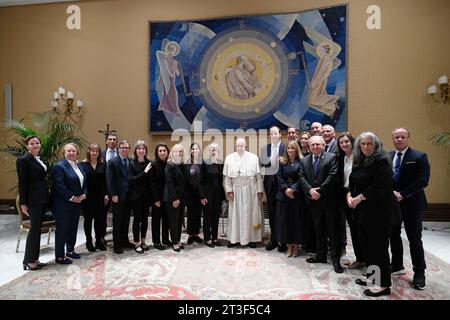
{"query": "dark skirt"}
{"type": "Point", "coordinates": [289, 222]}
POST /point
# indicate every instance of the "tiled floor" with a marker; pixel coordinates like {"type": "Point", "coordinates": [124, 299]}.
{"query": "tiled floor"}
{"type": "Point", "coordinates": [436, 242]}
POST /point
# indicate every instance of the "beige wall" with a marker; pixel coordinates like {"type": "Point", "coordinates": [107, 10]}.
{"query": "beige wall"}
{"type": "Point", "coordinates": [106, 65]}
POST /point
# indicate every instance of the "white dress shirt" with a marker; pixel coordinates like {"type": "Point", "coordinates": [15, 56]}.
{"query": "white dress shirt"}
{"type": "Point", "coordinates": [41, 163]}
{"type": "Point", "coordinates": [73, 164]}
{"type": "Point", "coordinates": [110, 153]}
{"type": "Point", "coordinates": [348, 162]}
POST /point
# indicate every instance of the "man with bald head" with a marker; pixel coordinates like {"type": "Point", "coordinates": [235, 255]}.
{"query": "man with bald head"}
{"type": "Point", "coordinates": [411, 173]}
{"type": "Point", "coordinates": [244, 190]}
{"type": "Point", "coordinates": [316, 129]}
{"type": "Point", "coordinates": [318, 177]}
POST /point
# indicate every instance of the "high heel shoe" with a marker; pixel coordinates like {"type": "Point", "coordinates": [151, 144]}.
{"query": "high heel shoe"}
{"type": "Point", "coordinates": [30, 266]}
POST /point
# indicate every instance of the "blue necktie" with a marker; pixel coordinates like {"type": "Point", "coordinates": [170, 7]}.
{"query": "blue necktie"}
{"type": "Point", "coordinates": [397, 164]}
{"type": "Point", "coordinates": [316, 165]}
{"type": "Point", "coordinates": [125, 163]}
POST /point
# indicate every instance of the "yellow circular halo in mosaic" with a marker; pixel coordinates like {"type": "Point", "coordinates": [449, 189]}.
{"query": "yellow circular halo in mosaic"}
{"type": "Point", "coordinates": [227, 60]}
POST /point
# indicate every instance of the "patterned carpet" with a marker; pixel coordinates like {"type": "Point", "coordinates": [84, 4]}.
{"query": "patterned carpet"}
{"type": "Point", "coordinates": [200, 272]}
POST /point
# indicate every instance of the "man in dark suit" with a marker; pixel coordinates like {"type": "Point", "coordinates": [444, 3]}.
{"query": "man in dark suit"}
{"type": "Point", "coordinates": [329, 135]}
{"type": "Point", "coordinates": [118, 186]}
{"type": "Point", "coordinates": [411, 172]}
{"type": "Point", "coordinates": [318, 177]}
{"type": "Point", "coordinates": [111, 150]}
{"type": "Point", "coordinates": [109, 153]}
{"type": "Point", "coordinates": [269, 159]}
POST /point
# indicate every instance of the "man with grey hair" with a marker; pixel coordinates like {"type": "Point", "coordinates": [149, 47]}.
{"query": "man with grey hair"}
{"type": "Point", "coordinates": [329, 135]}
{"type": "Point", "coordinates": [316, 129]}
{"type": "Point", "coordinates": [244, 190]}
{"type": "Point", "coordinates": [318, 177]}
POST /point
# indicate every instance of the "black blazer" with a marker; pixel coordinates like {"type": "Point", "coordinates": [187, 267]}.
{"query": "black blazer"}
{"type": "Point", "coordinates": [139, 181]}
{"type": "Point", "coordinates": [326, 178]}
{"type": "Point", "coordinates": [270, 181]}
{"type": "Point", "coordinates": [177, 183]}
{"type": "Point", "coordinates": [117, 178]}
{"type": "Point", "coordinates": [414, 177]}
{"type": "Point", "coordinates": [33, 188]}
{"type": "Point", "coordinates": [158, 180]}
{"type": "Point", "coordinates": [211, 181]}
{"type": "Point", "coordinates": [374, 181]}
{"type": "Point", "coordinates": [96, 179]}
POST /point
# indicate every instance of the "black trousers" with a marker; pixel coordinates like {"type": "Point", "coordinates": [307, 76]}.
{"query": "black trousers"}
{"type": "Point", "coordinates": [325, 222]}
{"type": "Point", "coordinates": [140, 218]}
{"type": "Point", "coordinates": [94, 212]}
{"type": "Point", "coordinates": [103, 219]}
{"type": "Point", "coordinates": [194, 211]}
{"type": "Point", "coordinates": [121, 222]}
{"type": "Point", "coordinates": [33, 244]}
{"type": "Point", "coordinates": [309, 233]}
{"type": "Point", "coordinates": [412, 220]}
{"type": "Point", "coordinates": [66, 229]}
{"type": "Point", "coordinates": [375, 244]}
{"type": "Point", "coordinates": [211, 215]}
{"type": "Point", "coordinates": [176, 217]}
{"type": "Point", "coordinates": [271, 210]}
{"type": "Point", "coordinates": [160, 224]}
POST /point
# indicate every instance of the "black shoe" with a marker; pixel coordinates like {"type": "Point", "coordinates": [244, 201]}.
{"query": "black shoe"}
{"type": "Point", "coordinates": [217, 243]}
{"type": "Point", "coordinates": [63, 261]}
{"type": "Point", "coordinates": [282, 248]}
{"type": "Point", "coordinates": [90, 246]}
{"type": "Point", "coordinates": [145, 247]}
{"type": "Point", "coordinates": [395, 270]}
{"type": "Point", "coordinates": [384, 292]}
{"type": "Point", "coordinates": [337, 267]}
{"type": "Point", "coordinates": [252, 245]}
{"type": "Point", "coordinates": [198, 239]}
{"type": "Point", "coordinates": [231, 245]}
{"type": "Point", "coordinates": [99, 245]}
{"type": "Point", "coordinates": [29, 266]}
{"type": "Point", "coordinates": [271, 245]}
{"type": "Point", "coordinates": [73, 255]}
{"type": "Point", "coordinates": [139, 250]}
{"type": "Point", "coordinates": [316, 260]}
{"type": "Point", "coordinates": [210, 244]}
{"type": "Point", "coordinates": [118, 251]}
{"type": "Point", "coordinates": [418, 282]}
{"type": "Point", "coordinates": [176, 249]}
{"type": "Point", "coordinates": [159, 246]}
{"type": "Point", "coordinates": [361, 282]}
{"type": "Point", "coordinates": [167, 242]}
{"type": "Point", "coordinates": [128, 245]}
{"type": "Point", "coordinates": [190, 240]}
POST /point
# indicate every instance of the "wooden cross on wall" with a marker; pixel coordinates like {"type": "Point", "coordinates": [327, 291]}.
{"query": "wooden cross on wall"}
{"type": "Point", "coordinates": [107, 131]}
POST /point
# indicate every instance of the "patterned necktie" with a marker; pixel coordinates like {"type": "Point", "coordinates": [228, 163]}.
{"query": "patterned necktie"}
{"type": "Point", "coordinates": [397, 164]}
{"type": "Point", "coordinates": [316, 165]}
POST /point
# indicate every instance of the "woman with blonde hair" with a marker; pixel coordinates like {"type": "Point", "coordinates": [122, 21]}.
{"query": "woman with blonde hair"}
{"type": "Point", "coordinates": [69, 190]}
{"type": "Point", "coordinates": [176, 193]}
{"type": "Point", "coordinates": [289, 197]}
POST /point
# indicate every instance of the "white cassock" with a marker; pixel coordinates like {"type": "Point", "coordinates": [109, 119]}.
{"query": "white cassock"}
{"type": "Point", "coordinates": [245, 215]}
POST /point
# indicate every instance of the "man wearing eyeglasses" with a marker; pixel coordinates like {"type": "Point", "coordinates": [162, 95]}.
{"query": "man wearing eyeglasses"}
{"type": "Point", "coordinates": [117, 180]}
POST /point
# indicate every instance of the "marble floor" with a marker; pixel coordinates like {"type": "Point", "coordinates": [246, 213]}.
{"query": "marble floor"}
{"type": "Point", "coordinates": [436, 239]}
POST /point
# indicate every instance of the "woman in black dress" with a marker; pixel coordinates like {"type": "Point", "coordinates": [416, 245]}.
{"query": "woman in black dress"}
{"type": "Point", "coordinates": [289, 197]}
{"type": "Point", "coordinates": [194, 207]}
{"type": "Point", "coordinates": [303, 142]}
{"type": "Point", "coordinates": [371, 196]}
{"type": "Point", "coordinates": [212, 195]}
{"type": "Point", "coordinates": [139, 193]}
{"type": "Point", "coordinates": [176, 193]}
{"type": "Point", "coordinates": [33, 198]}
{"type": "Point", "coordinates": [160, 221]}
{"type": "Point", "coordinates": [97, 197]}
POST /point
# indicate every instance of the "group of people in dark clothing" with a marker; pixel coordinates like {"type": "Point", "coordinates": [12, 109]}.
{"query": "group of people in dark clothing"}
{"type": "Point", "coordinates": [314, 185]}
